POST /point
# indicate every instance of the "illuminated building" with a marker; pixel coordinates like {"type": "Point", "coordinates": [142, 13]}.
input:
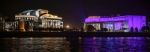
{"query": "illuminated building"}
{"type": "Point", "coordinates": [118, 23]}
{"type": "Point", "coordinates": [25, 21]}
{"type": "Point", "coordinates": [6, 25]}
{"type": "Point", "coordinates": [31, 20]}
{"type": "Point", "coordinates": [38, 19]}
{"type": "Point", "coordinates": [10, 25]}
{"type": "Point", "coordinates": [51, 21]}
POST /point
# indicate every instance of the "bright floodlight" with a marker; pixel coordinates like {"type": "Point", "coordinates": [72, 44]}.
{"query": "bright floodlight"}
{"type": "Point", "coordinates": [67, 26]}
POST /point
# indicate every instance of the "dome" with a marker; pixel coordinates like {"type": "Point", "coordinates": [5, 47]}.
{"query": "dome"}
{"type": "Point", "coordinates": [29, 12]}
{"type": "Point", "coordinates": [39, 13]}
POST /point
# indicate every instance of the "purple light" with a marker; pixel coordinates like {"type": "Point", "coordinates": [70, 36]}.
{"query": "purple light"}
{"type": "Point", "coordinates": [134, 21]}
{"type": "Point", "coordinates": [104, 19]}
{"type": "Point", "coordinates": [92, 20]}
{"type": "Point", "coordinates": [115, 44]}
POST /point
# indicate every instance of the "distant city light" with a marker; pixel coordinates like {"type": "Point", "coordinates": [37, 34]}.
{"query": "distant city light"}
{"type": "Point", "coordinates": [68, 26]}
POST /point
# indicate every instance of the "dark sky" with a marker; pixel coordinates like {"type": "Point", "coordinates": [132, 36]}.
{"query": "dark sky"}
{"type": "Point", "coordinates": [74, 11]}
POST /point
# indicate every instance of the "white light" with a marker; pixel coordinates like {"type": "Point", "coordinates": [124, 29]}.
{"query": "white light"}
{"type": "Point", "coordinates": [67, 26]}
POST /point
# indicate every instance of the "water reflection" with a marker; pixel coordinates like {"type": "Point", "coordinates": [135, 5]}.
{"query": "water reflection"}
{"type": "Point", "coordinates": [115, 44]}
{"type": "Point", "coordinates": [34, 44]}
{"type": "Point", "coordinates": [89, 44]}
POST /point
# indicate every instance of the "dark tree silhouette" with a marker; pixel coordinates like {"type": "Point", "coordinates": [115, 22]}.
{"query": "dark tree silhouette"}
{"type": "Point", "coordinates": [131, 29]}
{"type": "Point", "coordinates": [90, 28]}
{"type": "Point", "coordinates": [145, 29]}
{"type": "Point", "coordinates": [136, 29]}
{"type": "Point", "coordinates": [105, 29]}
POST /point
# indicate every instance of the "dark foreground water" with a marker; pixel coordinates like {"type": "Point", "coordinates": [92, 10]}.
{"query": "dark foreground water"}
{"type": "Point", "coordinates": [116, 44]}
{"type": "Point", "coordinates": [88, 44]}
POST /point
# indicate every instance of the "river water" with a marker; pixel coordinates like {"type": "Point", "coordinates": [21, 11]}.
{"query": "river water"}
{"type": "Point", "coordinates": [88, 44]}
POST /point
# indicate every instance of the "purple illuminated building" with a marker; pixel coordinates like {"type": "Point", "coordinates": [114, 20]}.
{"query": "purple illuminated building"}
{"type": "Point", "coordinates": [119, 23]}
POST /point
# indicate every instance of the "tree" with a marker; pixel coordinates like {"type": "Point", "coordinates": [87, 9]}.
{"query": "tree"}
{"type": "Point", "coordinates": [90, 28]}
{"type": "Point", "coordinates": [145, 29]}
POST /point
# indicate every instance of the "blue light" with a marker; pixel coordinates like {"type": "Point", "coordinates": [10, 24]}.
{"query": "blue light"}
{"type": "Point", "coordinates": [115, 44]}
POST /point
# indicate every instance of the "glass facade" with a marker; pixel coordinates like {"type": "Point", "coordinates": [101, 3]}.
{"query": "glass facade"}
{"type": "Point", "coordinates": [118, 23]}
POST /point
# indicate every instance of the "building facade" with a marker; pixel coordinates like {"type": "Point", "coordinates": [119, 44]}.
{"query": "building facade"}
{"type": "Point", "coordinates": [116, 24]}
{"type": "Point", "coordinates": [30, 20]}
{"type": "Point", "coordinates": [33, 19]}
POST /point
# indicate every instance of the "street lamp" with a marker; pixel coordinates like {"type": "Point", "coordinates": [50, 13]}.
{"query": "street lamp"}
{"type": "Point", "coordinates": [68, 26]}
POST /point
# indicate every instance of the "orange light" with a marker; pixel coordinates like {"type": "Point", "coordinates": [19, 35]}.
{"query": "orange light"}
{"type": "Point", "coordinates": [67, 26]}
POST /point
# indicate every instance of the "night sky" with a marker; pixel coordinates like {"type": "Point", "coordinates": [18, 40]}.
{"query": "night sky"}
{"type": "Point", "coordinates": [75, 11]}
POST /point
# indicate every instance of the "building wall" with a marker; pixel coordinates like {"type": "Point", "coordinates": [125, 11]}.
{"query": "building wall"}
{"type": "Point", "coordinates": [134, 21]}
